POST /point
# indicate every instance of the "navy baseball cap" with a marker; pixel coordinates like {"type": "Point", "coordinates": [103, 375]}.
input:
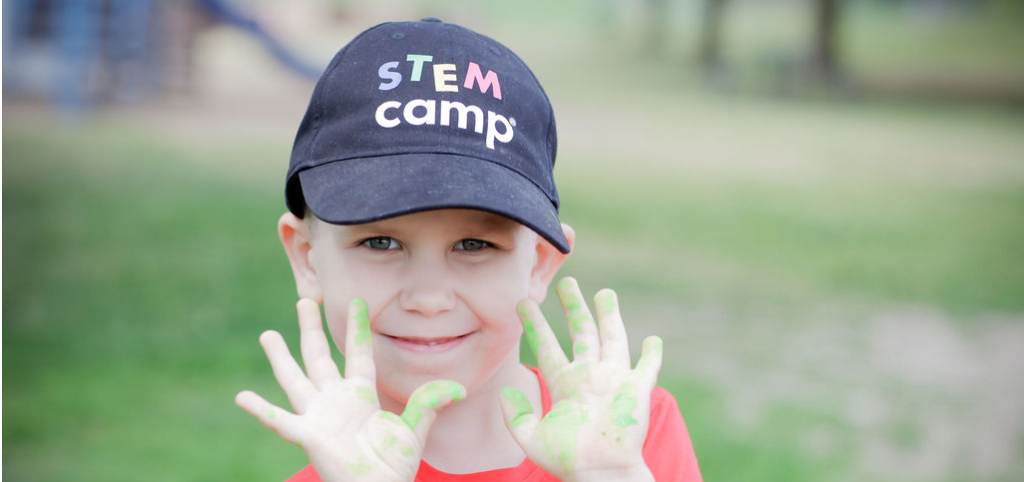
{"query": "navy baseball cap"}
{"type": "Point", "coordinates": [417, 116]}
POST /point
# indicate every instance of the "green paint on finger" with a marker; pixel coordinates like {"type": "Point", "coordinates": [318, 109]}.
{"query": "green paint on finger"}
{"type": "Point", "coordinates": [622, 409]}
{"type": "Point", "coordinates": [407, 451]}
{"type": "Point", "coordinates": [579, 347]}
{"type": "Point", "coordinates": [519, 403]}
{"type": "Point", "coordinates": [428, 398]}
{"type": "Point", "coordinates": [367, 394]}
{"type": "Point", "coordinates": [568, 294]}
{"type": "Point", "coordinates": [270, 413]}
{"type": "Point", "coordinates": [567, 290]}
{"type": "Point", "coordinates": [390, 417]}
{"type": "Point", "coordinates": [524, 312]}
{"type": "Point", "coordinates": [531, 336]}
{"type": "Point", "coordinates": [576, 321]}
{"type": "Point", "coordinates": [362, 320]}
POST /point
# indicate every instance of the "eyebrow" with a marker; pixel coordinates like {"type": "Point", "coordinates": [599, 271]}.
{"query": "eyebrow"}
{"type": "Point", "coordinates": [479, 223]}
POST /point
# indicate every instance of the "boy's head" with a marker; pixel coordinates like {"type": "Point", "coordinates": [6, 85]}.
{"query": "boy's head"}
{"type": "Point", "coordinates": [416, 116]}
{"type": "Point", "coordinates": [421, 180]}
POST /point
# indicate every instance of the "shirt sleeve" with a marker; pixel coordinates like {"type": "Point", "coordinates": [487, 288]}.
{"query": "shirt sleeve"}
{"type": "Point", "coordinates": [307, 474]}
{"type": "Point", "coordinates": [668, 451]}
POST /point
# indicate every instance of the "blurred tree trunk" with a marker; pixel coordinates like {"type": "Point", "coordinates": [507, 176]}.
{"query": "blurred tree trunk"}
{"type": "Point", "coordinates": [710, 53]}
{"type": "Point", "coordinates": [824, 61]}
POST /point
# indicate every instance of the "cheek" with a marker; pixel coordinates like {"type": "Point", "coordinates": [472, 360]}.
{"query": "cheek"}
{"type": "Point", "coordinates": [352, 281]}
{"type": "Point", "coordinates": [493, 293]}
{"type": "Point", "coordinates": [337, 316]}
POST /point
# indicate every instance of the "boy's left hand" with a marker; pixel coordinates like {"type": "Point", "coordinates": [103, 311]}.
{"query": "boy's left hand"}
{"type": "Point", "coordinates": [600, 407]}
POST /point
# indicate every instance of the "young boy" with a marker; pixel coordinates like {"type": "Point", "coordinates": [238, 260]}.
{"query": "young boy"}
{"type": "Point", "coordinates": [423, 216]}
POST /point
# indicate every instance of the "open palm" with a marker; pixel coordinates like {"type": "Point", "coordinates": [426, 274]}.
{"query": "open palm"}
{"type": "Point", "coordinates": [338, 421]}
{"type": "Point", "coordinates": [598, 421]}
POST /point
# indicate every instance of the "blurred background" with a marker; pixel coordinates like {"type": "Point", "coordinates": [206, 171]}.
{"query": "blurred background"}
{"type": "Point", "coordinates": [818, 204]}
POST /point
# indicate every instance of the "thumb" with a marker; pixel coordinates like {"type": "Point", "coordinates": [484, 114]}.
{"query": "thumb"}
{"type": "Point", "coordinates": [519, 416]}
{"type": "Point", "coordinates": [421, 410]}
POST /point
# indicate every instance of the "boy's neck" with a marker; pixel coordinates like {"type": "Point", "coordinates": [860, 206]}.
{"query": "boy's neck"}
{"type": "Point", "coordinates": [470, 436]}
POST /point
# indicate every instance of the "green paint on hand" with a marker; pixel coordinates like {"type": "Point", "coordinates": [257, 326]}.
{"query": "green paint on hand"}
{"type": "Point", "coordinates": [359, 467]}
{"type": "Point", "coordinates": [270, 413]}
{"type": "Point", "coordinates": [531, 336]}
{"type": "Point", "coordinates": [519, 403]}
{"type": "Point", "coordinates": [623, 406]}
{"type": "Point", "coordinates": [367, 394]}
{"type": "Point", "coordinates": [362, 321]}
{"type": "Point", "coordinates": [568, 294]}
{"type": "Point", "coordinates": [389, 442]}
{"type": "Point", "coordinates": [563, 424]}
{"type": "Point", "coordinates": [407, 451]}
{"type": "Point", "coordinates": [529, 327]}
{"type": "Point", "coordinates": [390, 417]}
{"type": "Point", "coordinates": [299, 443]}
{"type": "Point", "coordinates": [567, 290]}
{"type": "Point", "coordinates": [576, 321]}
{"type": "Point", "coordinates": [579, 347]}
{"type": "Point", "coordinates": [428, 398]}
{"type": "Point", "coordinates": [524, 312]}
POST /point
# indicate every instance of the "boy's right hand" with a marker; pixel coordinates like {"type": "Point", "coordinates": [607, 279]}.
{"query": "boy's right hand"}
{"type": "Point", "coordinates": [338, 421]}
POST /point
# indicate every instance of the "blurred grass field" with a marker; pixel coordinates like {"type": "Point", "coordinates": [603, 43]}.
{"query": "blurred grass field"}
{"type": "Point", "coordinates": [839, 283]}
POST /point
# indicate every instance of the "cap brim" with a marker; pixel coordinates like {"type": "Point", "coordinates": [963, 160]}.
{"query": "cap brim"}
{"type": "Point", "coordinates": [365, 190]}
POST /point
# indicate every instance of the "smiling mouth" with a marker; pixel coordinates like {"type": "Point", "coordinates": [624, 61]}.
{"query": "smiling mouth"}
{"type": "Point", "coordinates": [431, 345]}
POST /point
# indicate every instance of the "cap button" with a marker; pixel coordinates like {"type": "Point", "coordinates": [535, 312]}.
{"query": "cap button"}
{"type": "Point", "coordinates": [431, 19]}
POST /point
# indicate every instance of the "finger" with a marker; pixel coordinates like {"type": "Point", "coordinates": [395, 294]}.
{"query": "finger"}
{"type": "Point", "coordinates": [286, 370]}
{"type": "Point", "coordinates": [394, 443]}
{"type": "Point", "coordinates": [650, 362]}
{"type": "Point", "coordinates": [359, 343]}
{"type": "Point", "coordinates": [316, 353]}
{"type": "Point", "coordinates": [421, 410]}
{"type": "Point", "coordinates": [614, 346]}
{"type": "Point", "coordinates": [518, 415]}
{"type": "Point", "coordinates": [582, 329]}
{"type": "Point", "coordinates": [275, 418]}
{"type": "Point", "coordinates": [541, 339]}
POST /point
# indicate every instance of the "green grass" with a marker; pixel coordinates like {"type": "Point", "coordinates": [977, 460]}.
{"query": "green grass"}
{"type": "Point", "coordinates": [952, 249]}
{"type": "Point", "coordinates": [137, 285]}
{"type": "Point", "coordinates": [136, 290]}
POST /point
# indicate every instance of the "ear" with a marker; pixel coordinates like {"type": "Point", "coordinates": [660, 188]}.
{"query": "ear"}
{"type": "Point", "coordinates": [549, 259]}
{"type": "Point", "coordinates": [295, 236]}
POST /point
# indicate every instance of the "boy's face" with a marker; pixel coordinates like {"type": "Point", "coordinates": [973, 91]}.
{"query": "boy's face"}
{"type": "Point", "coordinates": [441, 287]}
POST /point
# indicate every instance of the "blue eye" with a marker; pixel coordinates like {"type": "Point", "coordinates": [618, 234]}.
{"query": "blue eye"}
{"type": "Point", "coordinates": [382, 243]}
{"type": "Point", "coordinates": [471, 245]}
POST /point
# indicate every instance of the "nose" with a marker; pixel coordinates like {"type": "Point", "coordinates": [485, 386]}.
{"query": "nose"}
{"type": "Point", "coordinates": [428, 289]}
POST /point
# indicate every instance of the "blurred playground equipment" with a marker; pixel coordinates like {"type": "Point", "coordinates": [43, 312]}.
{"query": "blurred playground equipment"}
{"type": "Point", "coordinates": [81, 53]}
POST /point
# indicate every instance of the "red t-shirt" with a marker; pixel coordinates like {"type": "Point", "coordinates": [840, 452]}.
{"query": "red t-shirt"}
{"type": "Point", "coordinates": [667, 450]}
